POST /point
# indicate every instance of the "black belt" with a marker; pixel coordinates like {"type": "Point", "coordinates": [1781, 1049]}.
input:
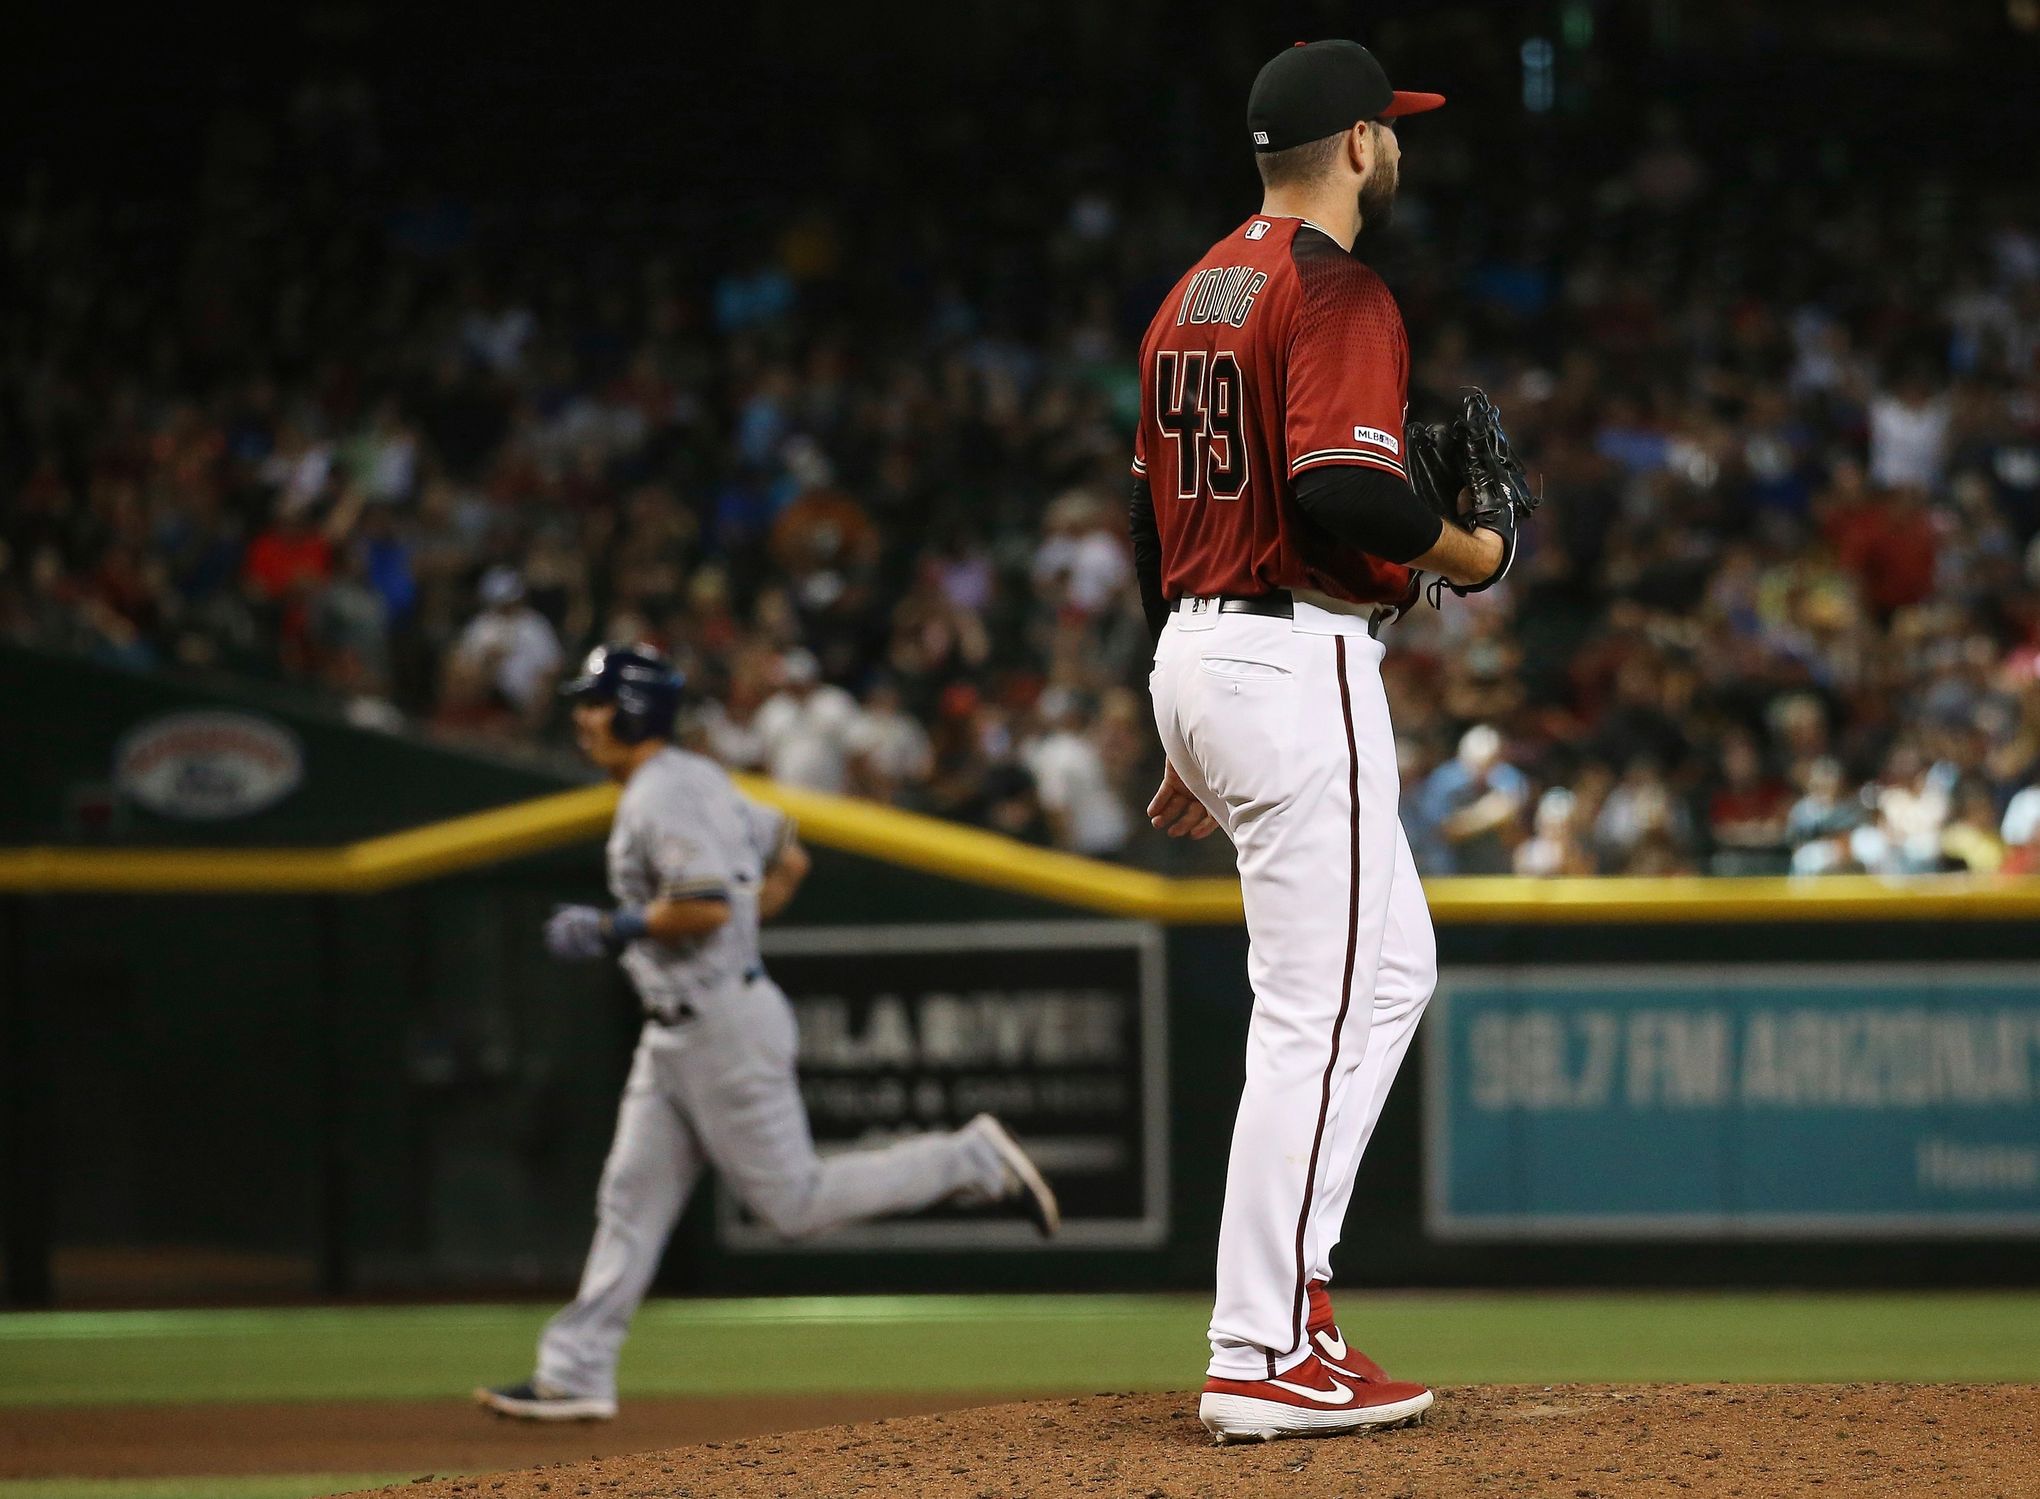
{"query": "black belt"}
{"type": "Point", "coordinates": [1279, 604]}
{"type": "Point", "coordinates": [683, 1013]}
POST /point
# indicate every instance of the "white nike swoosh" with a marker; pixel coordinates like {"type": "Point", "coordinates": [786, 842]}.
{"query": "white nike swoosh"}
{"type": "Point", "coordinates": [1334, 1347]}
{"type": "Point", "coordinates": [1319, 1396]}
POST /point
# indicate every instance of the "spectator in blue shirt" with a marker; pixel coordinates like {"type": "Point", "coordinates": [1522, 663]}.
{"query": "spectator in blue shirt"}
{"type": "Point", "coordinates": [1468, 815]}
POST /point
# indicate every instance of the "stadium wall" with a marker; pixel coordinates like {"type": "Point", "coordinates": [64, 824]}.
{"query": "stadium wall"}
{"type": "Point", "coordinates": [248, 1066]}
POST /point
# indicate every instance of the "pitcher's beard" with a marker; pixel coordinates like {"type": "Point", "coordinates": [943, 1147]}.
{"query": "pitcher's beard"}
{"type": "Point", "coordinates": [1377, 204]}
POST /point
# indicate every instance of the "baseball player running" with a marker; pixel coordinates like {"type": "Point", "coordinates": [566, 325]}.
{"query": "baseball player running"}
{"type": "Point", "coordinates": [1275, 531]}
{"type": "Point", "coordinates": [694, 868]}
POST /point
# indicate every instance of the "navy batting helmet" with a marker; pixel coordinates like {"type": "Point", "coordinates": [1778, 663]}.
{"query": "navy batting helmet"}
{"type": "Point", "coordinates": [641, 682]}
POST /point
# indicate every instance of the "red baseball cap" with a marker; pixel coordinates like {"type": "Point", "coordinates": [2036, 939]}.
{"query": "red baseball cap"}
{"type": "Point", "coordinates": [1316, 89]}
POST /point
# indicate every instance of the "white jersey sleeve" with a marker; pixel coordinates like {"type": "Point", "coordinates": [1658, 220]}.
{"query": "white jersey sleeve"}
{"type": "Point", "coordinates": [769, 829]}
{"type": "Point", "coordinates": [661, 849]}
{"type": "Point", "coordinates": [683, 832]}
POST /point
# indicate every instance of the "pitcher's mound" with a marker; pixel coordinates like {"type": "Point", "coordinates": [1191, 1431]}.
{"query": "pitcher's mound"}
{"type": "Point", "coordinates": [1572, 1441]}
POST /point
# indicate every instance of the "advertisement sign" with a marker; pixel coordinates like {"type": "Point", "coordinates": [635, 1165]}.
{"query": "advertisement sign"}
{"type": "Point", "coordinates": [1059, 1028]}
{"type": "Point", "coordinates": [1735, 1102]}
{"type": "Point", "coordinates": [207, 765]}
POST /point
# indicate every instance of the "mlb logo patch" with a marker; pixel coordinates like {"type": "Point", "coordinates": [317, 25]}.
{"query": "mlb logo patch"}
{"type": "Point", "coordinates": [1256, 229]}
{"type": "Point", "coordinates": [1378, 438]}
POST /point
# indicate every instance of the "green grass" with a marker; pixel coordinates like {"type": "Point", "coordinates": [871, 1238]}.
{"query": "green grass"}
{"type": "Point", "coordinates": [1015, 1344]}
{"type": "Point", "coordinates": [237, 1486]}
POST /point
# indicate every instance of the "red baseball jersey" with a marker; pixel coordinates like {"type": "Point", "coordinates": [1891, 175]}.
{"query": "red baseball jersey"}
{"type": "Point", "coordinates": [1276, 353]}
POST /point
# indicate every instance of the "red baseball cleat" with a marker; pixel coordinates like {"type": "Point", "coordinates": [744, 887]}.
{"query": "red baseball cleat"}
{"type": "Point", "coordinates": [1311, 1400]}
{"type": "Point", "coordinates": [1328, 1344]}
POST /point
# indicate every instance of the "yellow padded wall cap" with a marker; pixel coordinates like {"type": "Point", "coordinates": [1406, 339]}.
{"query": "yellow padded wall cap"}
{"type": "Point", "coordinates": [977, 857]}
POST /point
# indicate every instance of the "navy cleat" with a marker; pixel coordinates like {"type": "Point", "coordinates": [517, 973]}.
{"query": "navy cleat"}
{"type": "Point", "coordinates": [1026, 1188]}
{"type": "Point", "coordinates": [534, 1401]}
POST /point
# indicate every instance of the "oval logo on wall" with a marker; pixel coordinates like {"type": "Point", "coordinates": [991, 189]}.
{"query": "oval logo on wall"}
{"type": "Point", "coordinates": [208, 765]}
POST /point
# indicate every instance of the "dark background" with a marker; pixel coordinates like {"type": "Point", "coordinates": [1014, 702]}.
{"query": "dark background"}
{"type": "Point", "coordinates": [609, 99]}
{"type": "Point", "coordinates": [720, 119]}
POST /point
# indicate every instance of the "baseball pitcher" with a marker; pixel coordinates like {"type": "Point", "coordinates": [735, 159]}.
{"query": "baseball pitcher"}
{"type": "Point", "coordinates": [694, 867]}
{"type": "Point", "coordinates": [1276, 530]}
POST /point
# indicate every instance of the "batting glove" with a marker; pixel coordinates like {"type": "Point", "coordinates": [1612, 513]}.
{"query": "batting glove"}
{"type": "Point", "coordinates": [579, 933]}
{"type": "Point", "coordinates": [576, 934]}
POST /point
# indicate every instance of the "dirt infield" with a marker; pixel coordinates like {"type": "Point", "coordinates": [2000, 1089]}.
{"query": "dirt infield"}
{"type": "Point", "coordinates": [1578, 1441]}
{"type": "Point", "coordinates": [426, 1436]}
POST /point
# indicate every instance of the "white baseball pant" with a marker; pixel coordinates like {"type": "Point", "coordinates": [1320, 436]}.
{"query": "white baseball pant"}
{"type": "Point", "coordinates": [720, 1090]}
{"type": "Point", "coordinates": [1280, 728]}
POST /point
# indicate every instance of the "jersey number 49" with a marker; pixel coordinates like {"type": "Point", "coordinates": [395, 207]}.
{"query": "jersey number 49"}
{"type": "Point", "coordinates": [1200, 401]}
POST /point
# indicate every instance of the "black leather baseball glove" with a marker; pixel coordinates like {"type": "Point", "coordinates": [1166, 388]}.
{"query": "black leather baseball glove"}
{"type": "Point", "coordinates": [1470, 455]}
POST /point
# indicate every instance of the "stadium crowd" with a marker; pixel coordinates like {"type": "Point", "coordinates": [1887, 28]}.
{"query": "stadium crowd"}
{"type": "Point", "coordinates": [1781, 610]}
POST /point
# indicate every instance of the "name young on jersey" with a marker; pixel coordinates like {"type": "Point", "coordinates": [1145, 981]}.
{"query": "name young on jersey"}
{"type": "Point", "coordinates": [1221, 294]}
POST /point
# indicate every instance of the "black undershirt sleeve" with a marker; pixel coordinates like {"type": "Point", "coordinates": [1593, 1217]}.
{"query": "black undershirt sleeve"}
{"type": "Point", "coordinates": [1365, 507]}
{"type": "Point", "coordinates": [1369, 508]}
{"type": "Point", "coordinates": [1147, 557]}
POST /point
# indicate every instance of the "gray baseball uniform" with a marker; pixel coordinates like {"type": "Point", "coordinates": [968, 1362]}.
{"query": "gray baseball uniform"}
{"type": "Point", "coordinates": [713, 1081]}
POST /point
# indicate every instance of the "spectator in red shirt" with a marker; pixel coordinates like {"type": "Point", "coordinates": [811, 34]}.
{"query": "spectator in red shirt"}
{"type": "Point", "coordinates": [1888, 539]}
{"type": "Point", "coordinates": [1746, 811]}
{"type": "Point", "coordinates": [286, 564]}
{"type": "Point", "coordinates": [287, 557]}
